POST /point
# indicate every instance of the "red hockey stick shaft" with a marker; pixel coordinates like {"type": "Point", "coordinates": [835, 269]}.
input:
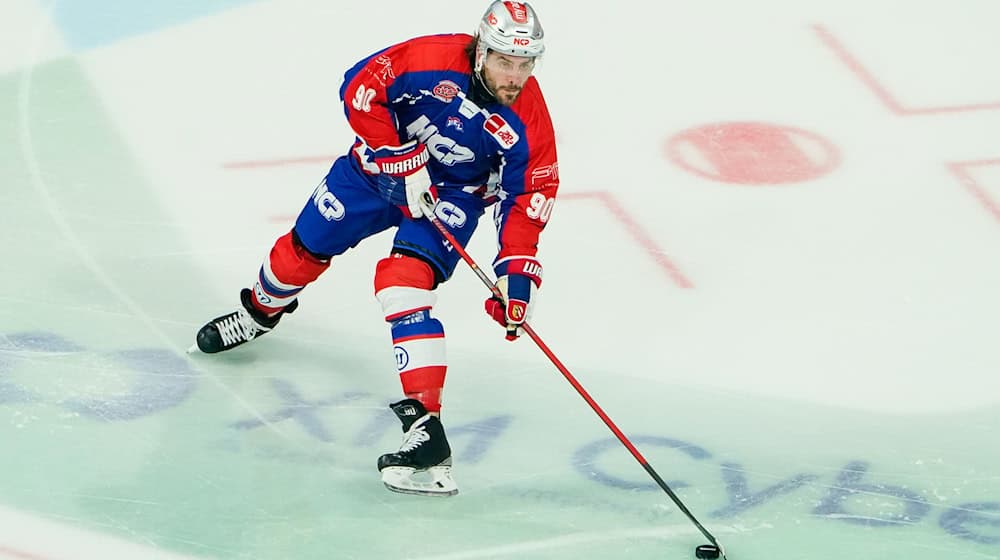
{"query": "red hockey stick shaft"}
{"type": "Point", "coordinates": [428, 208]}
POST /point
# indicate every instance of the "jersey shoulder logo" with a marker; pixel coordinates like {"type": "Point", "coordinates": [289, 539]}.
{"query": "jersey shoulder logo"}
{"type": "Point", "coordinates": [500, 129]}
{"type": "Point", "coordinates": [544, 175]}
{"type": "Point", "coordinates": [381, 69]}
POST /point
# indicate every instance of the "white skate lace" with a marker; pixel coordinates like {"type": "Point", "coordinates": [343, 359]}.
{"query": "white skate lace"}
{"type": "Point", "coordinates": [239, 327]}
{"type": "Point", "coordinates": [414, 439]}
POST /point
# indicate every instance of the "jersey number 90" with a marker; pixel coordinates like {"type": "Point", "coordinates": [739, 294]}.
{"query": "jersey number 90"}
{"type": "Point", "coordinates": [363, 99]}
{"type": "Point", "coordinates": [540, 207]}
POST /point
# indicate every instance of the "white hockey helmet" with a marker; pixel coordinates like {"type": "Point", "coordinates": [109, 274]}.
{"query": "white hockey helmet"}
{"type": "Point", "coordinates": [510, 28]}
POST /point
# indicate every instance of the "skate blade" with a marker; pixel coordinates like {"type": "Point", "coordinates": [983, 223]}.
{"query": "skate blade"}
{"type": "Point", "coordinates": [194, 349]}
{"type": "Point", "coordinates": [435, 481]}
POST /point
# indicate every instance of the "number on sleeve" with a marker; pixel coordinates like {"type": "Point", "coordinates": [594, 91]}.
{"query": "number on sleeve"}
{"type": "Point", "coordinates": [363, 98]}
{"type": "Point", "coordinates": [540, 207]}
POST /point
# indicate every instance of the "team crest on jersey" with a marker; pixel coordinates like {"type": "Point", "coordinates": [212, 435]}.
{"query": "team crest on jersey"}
{"type": "Point", "coordinates": [446, 90]}
{"type": "Point", "coordinates": [501, 130]}
{"type": "Point", "coordinates": [456, 123]}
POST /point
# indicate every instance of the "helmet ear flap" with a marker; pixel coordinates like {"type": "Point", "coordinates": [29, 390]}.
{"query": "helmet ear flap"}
{"type": "Point", "coordinates": [481, 51]}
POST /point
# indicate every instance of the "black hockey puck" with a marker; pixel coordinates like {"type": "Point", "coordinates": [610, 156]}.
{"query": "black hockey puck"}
{"type": "Point", "coordinates": [709, 551]}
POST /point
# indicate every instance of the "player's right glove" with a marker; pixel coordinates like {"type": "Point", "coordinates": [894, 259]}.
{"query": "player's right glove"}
{"type": "Point", "coordinates": [518, 279]}
{"type": "Point", "coordinates": [403, 176]}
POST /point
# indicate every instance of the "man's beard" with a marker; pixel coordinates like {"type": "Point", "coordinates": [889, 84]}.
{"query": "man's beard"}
{"type": "Point", "coordinates": [511, 94]}
{"type": "Point", "coordinates": [506, 95]}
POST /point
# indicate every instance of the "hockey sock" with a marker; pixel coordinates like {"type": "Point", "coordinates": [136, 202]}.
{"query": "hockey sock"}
{"type": "Point", "coordinates": [403, 286]}
{"type": "Point", "coordinates": [286, 270]}
{"type": "Point", "coordinates": [418, 342]}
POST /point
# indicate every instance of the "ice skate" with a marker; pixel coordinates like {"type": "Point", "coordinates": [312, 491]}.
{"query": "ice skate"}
{"type": "Point", "coordinates": [422, 465]}
{"type": "Point", "coordinates": [241, 326]}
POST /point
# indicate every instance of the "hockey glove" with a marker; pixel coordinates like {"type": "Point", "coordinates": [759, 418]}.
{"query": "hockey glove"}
{"type": "Point", "coordinates": [518, 279]}
{"type": "Point", "coordinates": [403, 178]}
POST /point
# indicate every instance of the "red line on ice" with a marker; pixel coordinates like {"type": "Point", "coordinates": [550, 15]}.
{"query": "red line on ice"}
{"type": "Point", "coordinates": [635, 229]}
{"type": "Point", "coordinates": [6, 552]}
{"type": "Point", "coordinates": [880, 91]}
{"type": "Point", "coordinates": [961, 170]}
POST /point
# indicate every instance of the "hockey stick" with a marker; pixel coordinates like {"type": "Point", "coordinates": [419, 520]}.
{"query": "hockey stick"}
{"type": "Point", "coordinates": [705, 551]}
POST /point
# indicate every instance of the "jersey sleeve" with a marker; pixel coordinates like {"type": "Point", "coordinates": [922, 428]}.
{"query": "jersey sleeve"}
{"type": "Point", "coordinates": [529, 179]}
{"type": "Point", "coordinates": [365, 96]}
{"type": "Point", "coordinates": [377, 85]}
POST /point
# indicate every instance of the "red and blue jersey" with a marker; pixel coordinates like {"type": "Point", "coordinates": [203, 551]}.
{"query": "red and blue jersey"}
{"type": "Point", "coordinates": [420, 90]}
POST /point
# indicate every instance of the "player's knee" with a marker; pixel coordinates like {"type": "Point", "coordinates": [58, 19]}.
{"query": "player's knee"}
{"type": "Point", "coordinates": [291, 263]}
{"type": "Point", "coordinates": [403, 286]}
{"type": "Point", "coordinates": [286, 270]}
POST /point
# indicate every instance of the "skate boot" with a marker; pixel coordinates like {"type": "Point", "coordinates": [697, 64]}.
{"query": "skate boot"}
{"type": "Point", "coordinates": [423, 463]}
{"type": "Point", "coordinates": [240, 326]}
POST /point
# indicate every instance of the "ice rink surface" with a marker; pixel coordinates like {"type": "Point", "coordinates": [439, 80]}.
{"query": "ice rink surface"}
{"type": "Point", "coordinates": [775, 262]}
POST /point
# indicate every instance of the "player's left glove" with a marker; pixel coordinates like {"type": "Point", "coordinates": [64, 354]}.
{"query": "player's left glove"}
{"type": "Point", "coordinates": [518, 279]}
{"type": "Point", "coordinates": [403, 178]}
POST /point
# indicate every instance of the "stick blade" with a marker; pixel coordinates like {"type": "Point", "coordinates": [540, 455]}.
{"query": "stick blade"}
{"type": "Point", "coordinates": [707, 552]}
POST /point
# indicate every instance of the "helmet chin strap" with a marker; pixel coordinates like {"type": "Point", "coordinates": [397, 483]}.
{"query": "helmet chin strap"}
{"type": "Point", "coordinates": [479, 68]}
{"type": "Point", "coordinates": [482, 83]}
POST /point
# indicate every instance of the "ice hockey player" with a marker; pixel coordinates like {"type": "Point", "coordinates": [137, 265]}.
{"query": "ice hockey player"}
{"type": "Point", "coordinates": [460, 117]}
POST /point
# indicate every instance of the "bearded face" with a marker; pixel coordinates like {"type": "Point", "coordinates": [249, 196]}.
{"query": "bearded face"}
{"type": "Point", "coordinates": [506, 74]}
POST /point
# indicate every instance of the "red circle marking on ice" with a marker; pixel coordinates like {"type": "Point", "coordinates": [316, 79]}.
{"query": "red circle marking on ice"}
{"type": "Point", "coordinates": [751, 153]}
